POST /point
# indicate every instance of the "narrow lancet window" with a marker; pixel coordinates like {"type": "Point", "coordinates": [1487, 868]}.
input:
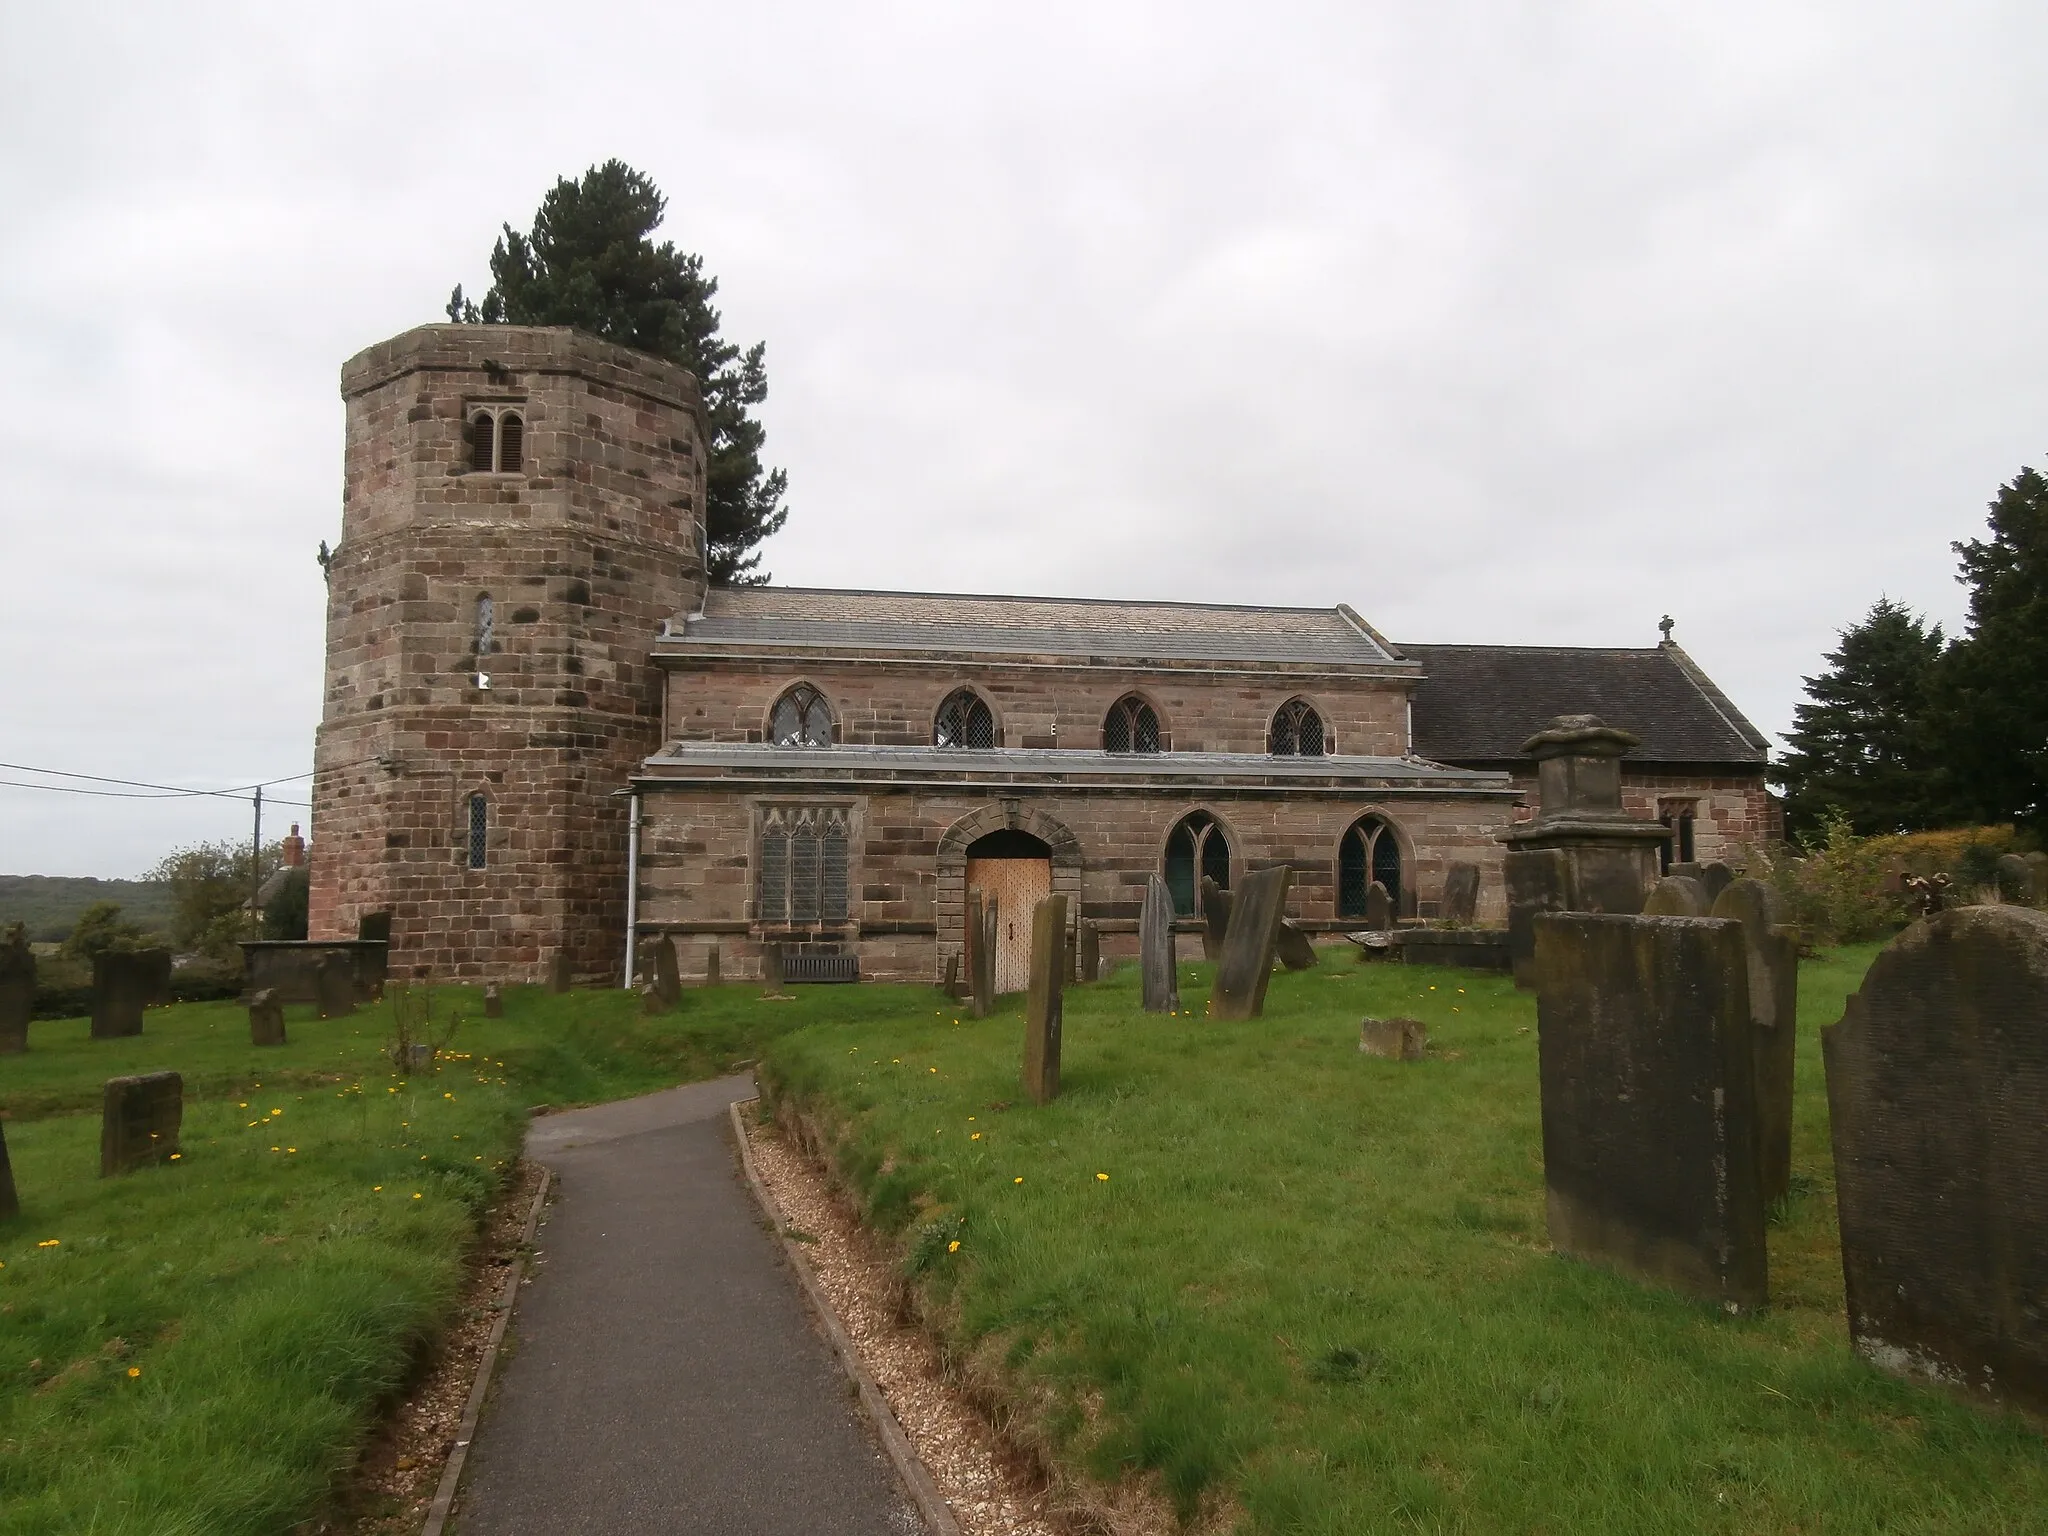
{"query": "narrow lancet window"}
{"type": "Point", "coordinates": [479, 830]}
{"type": "Point", "coordinates": [511, 443]}
{"type": "Point", "coordinates": [483, 442]}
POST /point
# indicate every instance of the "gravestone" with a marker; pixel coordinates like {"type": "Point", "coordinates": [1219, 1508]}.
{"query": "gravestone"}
{"type": "Point", "coordinates": [1297, 951]}
{"type": "Point", "coordinates": [334, 988]}
{"type": "Point", "coordinates": [1395, 1039]}
{"type": "Point", "coordinates": [266, 1017]}
{"type": "Point", "coordinates": [1773, 956]}
{"type": "Point", "coordinates": [139, 1121]}
{"type": "Point", "coordinates": [1677, 896]}
{"type": "Point", "coordinates": [1159, 966]}
{"type": "Point", "coordinates": [1715, 878]}
{"type": "Point", "coordinates": [17, 990]}
{"type": "Point", "coordinates": [120, 989]}
{"type": "Point", "coordinates": [1091, 951]}
{"type": "Point", "coordinates": [1215, 915]}
{"type": "Point", "coordinates": [560, 976]}
{"type": "Point", "coordinates": [1937, 1075]}
{"type": "Point", "coordinates": [1379, 908]}
{"type": "Point", "coordinates": [1044, 1008]}
{"type": "Point", "coordinates": [650, 1000]}
{"type": "Point", "coordinates": [1538, 881]}
{"type": "Point", "coordinates": [10, 1203]}
{"type": "Point", "coordinates": [2037, 869]}
{"type": "Point", "coordinates": [949, 985]}
{"type": "Point", "coordinates": [1460, 902]}
{"type": "Point", "coordinates": [981, 952]}
{"type": "Point", "coordinates": [1247, 964]}
{"type": "Point", "coordinates": [156, 968]}
{"type": "Point", "coordinates": [771, 970]}
{"type": "Point", "coordinates": [1649, 1101]}
{"type": "Point", "coordinates": [2015, 880]}
{"type": "Point", "coordinates": [668, 978]}
{"type": "Point", "coordinates": [711, 966]}
{"type": "Point", "coordinates": [494, 1001]}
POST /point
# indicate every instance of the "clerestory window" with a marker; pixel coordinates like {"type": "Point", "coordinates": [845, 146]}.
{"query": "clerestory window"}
{"type": "Point", "coordinates": [497, 440]}
{"type": "Point", "coordinates": [965, 721]}
{"type": "Point", "coordinates": [1297, 731]}
{"type": "Point", "coordinates": [1132, 726]}
{"type": "Point", "coordinates": [801, 718]}
{"type": "Point", "coordinates": [801, 874]}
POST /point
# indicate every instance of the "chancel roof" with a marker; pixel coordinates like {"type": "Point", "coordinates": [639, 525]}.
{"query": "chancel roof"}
{"type": "Point", "coordinates": [1479, 703]}
{"type": "Point", "coordinates": [819, 618]}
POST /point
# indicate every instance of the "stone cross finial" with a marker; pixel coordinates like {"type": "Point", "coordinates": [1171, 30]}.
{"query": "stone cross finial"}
{"type": "Point", "coordinates": [1665, 626]}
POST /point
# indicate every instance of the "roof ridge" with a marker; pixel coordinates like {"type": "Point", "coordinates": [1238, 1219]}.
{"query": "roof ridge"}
{"type": "Point", "coordinates": [1332, 610]}
{"type": "Point", "coordinates": [1718, 701]}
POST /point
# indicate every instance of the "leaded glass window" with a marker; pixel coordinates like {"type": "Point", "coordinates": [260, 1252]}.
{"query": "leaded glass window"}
{"type": "Point", "coordinates": [801, 718]}
{"type": "Point", "coordinates": [479, 830]}
{"type": "Point", "coordinates": [1297, 731]}
{"type": "Point", "coordinates": [1132, 726]}
{"type": "Point", "coordinates": [1196, 847]}
{"type": "Point", "coordinates": [964, 720]}
{"type": "Point", "coordinates": [1370, 852]}
{"type": "Point", "coordinates": [803, 864]}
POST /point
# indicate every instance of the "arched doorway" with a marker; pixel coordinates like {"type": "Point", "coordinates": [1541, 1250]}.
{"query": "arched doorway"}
{"type": "Point", "coordinates": [1013, 869]}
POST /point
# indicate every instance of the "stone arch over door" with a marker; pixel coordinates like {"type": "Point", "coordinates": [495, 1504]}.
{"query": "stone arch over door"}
{"type": "Point", "coordinates": [950, 906]}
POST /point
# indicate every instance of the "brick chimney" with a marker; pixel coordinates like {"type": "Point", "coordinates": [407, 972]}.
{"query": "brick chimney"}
{"type": "Point", "coordinates": [294, 848]}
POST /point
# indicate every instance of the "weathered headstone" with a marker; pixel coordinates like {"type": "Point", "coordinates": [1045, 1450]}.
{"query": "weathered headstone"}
{"type": "Point", "coordinates": [2015, 880]}
{"type": "Point", "coordinates": [494, 1001]}
{"type": "Point", "coordinates": [771, 970]}
{"type": "Point", "coordinates": [334, 988]}
{"type": "Point", "coordinates": [561, 974]}
{"type": "Point", "coordinates": [140, 1120]}
{"type": "Point", "coordinates": [650, 999]}
{"type": "Point", "coordinates": [156, 969]}
{"type": "Point", "coordinates": [1247, 963]}
{"type": "Point", "coordinates": [1460, 902]}
{"type": "Point", "coordinates": [17, 989]}
{"type": "Point", "coordinates": [1215, 915]}
{"type": "Point", "coordinates": [711, 966]}
{"type": "Point", "coordinates": [949, 984]}
{"type": "Point", "coordinates": [1773, 955]}
{"type": "Point", "coordinates": [1379, 908]}
{"type": "Point", "coordinates": [1714, 878]}
{"type": "Point", "coordinates": [1091, 951]}
{"type": "Point", "coordinates": [1937, 1075]}
{"type": "Point", "coordinates": [120, 990]}
{"type": "Point", "coordinates": [1538, 881]}
{"type": "Point", "coordinates": [10, 1203]}
{"type": "Point", "coordinates": [981, 952]}
{"type": "Point", "coordinates": [1297, 951]}
{"type": "Point", "coordinates": [266, 1017]}
{"type": "Point", "coordinates": [1649, 1101]}
{"type": "Point", "coordinates": [668, 977]}
{"type": "Point", "coordinates": [1044, 1007]}
{"type": "Point", "coordinates": [1395, 1039]}
{"type": "Point", "coordinates": [1160, 969]}
{"type": "Point", "coordinates": [1677, 896]}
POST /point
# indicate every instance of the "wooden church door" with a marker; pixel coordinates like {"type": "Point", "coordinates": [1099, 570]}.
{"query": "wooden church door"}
{"type": "Point", "coordinates": [1016, 886]}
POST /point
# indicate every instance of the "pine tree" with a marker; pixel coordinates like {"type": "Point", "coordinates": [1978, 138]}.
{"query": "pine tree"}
{"type": "Point", "coordinates": [590, 262]}
{"type": "Point", "coordinates": [1863, 748]}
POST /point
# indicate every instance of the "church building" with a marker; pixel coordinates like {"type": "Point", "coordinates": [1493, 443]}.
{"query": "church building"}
{"type": "Point", "coordinates": [542, 730]}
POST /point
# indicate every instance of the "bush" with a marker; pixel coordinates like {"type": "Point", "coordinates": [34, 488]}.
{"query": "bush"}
{"type": "Point", "coordinates": [100, 927]}
{"type": "Point", "coordinates": [1845, 889]}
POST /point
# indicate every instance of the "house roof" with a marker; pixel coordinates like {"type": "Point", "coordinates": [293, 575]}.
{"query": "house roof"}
{"type": "Point", "coordinates": [814, 618]}
{"type": "Point", "coordinates": [1479, 703]}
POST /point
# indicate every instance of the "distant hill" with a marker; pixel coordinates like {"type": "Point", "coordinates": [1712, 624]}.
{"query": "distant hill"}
{"type": "Point", "coordinates": [49, 904]}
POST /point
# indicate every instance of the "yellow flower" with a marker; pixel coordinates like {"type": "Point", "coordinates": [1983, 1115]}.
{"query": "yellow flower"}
{"type": "Point", "coordinates": [415, 1195]}
{"type": "Point", "coordinates": [976, 1136]}
{"type": "Point", "coordinates": [953, 1246]}
{"type": "Point", "coordinates": [1018, 1180]}
{"type": "Point", "coordinates": [134, 1370]}
{"type": "Point", "coordinates": [1103, 1176]}
{"type": "Point", "coordinates": [50, 1243]}
{"type": "Point", "coordinates": [175, 1156]}
{"type": "Point", "coordinates": [376, 1189]}
{"type": "Point", "coordinates": [291, 1149]}
{"type": "Point", "coordinates": [447, 1095]}
{"type": "Point", "coordinates": [933, 1069]}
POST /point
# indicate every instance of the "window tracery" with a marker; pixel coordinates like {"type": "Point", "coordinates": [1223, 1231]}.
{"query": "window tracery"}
{"type": "Point", "coordinates": [1370, 852]}
{"type": "Point", "coordinates": [801, 718]}
{"type": "Point", "coordinates": [1297, 731]}
{"type": "Point", "coordinates": [1131, 726]}
{"type": "Point", "coordinates": [964, 721]}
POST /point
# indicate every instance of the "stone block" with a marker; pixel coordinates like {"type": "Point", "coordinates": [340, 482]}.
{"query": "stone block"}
{"type": "Point", "coordinates": [139, 1122]}
{"type": "Point", "coordinates": [17, 989]}
{"type": "Point", "coordinates": [494, 1001]}
{"type": "Point", "coordinates": [1538, 881]}
{"type": "Point", "coordinates": [561, 973]}
{"type": "Point", "coordinates": [10, 1203]}
{"type": "Point", "coordinates": [1472, 949]}
{"type": "Point", "coordinates": [266, 1017]}
{"type": "Point", "coordinates": [1044, 1005]}
{"type": "Point", "coordinates": [1215, 915]}
{"type": "Point", "coordinates": [120, 990]}
{"type": "Point", "coordinates": [1937, 1075]}
{"type": "Point", "coordinates": [1247, 964]}
{"type": "Point", "coordinates": [334, 987]}
{"type": "Point", "coordinates": [1379, 908]}
{"type": "Point", "coordinates": [1161, 968]}
{"type": "Point", "coordinates": [1773, 955]}
{"type": "Point", "coordinates": [1395, 1039]}
{"type": "Point", "coordinates": [1296, 950]}
{"type": "Point", "coordinates": [1677, 896]}
{"type": "Point", "coordinates": [1649, 1101]}
{"type": "Point", "coordinates": [1460, 902]}
{"type": "Point", "coordinates": [1091, 951]}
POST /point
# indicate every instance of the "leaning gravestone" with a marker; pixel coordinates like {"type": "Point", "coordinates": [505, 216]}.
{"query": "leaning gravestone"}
{"type": "Point", "coordinates": [1649, 1101]}
{"type": "Point", "coordinates": [949, 983]}
{"type": "Point", "coordinates": [1773, 954]}
{"type": "Point", "coordinates": [334, 987]}
{"type": "Point", "coordinates": [1043, 1005]}
{"type": "Point", "coordinates": [1460, 903]}
{"type": "Point", "coordinates": [1937, 1075]}
{"type": "Point", "coordinates": [1715, 878]}
{"type": "Point", "coordinates": [1297, 951]}
{"type": "Point", "coordinates": [1091, 951]}
{"type": "Point", "coordinates": [1216, 902]}
{"type": "Point", "coordinates": [120, 990]}
{"type": "Point", "coordinates": [1395, 1039]}
{"type": "Point", "coordinates": [2015, 880]}
{"type": "Point", "coordinates": [17, 990]}
{"type": "Point", "coordinates": [266, 1017]}
{"type": "Point", "coordinates": [1159, 965]}
{"type": "Point", "coordinates": [139, 1121]}
{"type": "Point", "coordinates": [1247, 963]}
{"type": "Point", "coordinates": [1677, 896]}
{"type": "Point", "coordinates": [494, 1001]}
{"type": "Point", "coordinates": [1379, 908]}
{"type": "Point", "coordinates": [981, 952]}
{"type": "Point", "coordinates": [668, 977]}
{"type": "Point", "coordinates": [560, 974]}
{"type": "Point", "coordinates": [10, 1203]}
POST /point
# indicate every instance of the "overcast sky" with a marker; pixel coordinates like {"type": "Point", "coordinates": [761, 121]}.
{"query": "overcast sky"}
{"type": "Point", "coordinates": [1502, 323]}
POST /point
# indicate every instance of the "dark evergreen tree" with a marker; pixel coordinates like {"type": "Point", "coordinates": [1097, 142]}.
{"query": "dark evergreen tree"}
{"type": "Point", "coordinates": [1993, 685]}
{"type": "Point", "coordinates": [590, 262]}
{"type": "Point", "coordinates": [1863, 746]}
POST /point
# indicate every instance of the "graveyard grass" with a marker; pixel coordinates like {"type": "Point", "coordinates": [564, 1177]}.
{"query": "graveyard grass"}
{"type": "Point", "coordinates": [199, 1349]}
{"type": "Point", "coordinates": [1309, 1291]}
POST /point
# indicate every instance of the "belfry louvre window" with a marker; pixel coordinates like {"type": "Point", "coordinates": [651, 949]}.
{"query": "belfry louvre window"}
{"type": "Point", "coordinates": [497, 441]}
{"type": "Point", "coordinates": [1132, 726]}
{"type": "Point", "coordinates": [801, 718]}
{"type": "Point", "coordinates": [964, 720]}
{"type": "Point", "coordinates": [802, 869]}
{"type": "Point", "coordinates": [1297, 731]}
{"type": "Point", "coordinates": [479, 830]}
{"type": "Point", "coordinates": [1370, 852]}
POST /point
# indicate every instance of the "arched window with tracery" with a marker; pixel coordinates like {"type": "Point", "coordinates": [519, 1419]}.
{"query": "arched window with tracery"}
{"type": "Point", "coordinates": [802, 874]}
{"type": "Point", "coordinates": [1297, 731]}
{"type": "Point", "coordinates": [801, 718]}
{"type": "Point", "coordinates": [964, 720]}
{"type": "Point", "coordinates": [1370, 852]}
{"type": "Point", "coordinates": [1132, 726]}
{"type": "Point", "coordinates": [1194, 848]}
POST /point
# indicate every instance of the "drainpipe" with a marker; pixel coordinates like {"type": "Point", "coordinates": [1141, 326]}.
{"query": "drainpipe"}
{"type": "Point", "coordinates": [1411, 729]}
{"type": "Point", "coordinates": [632, 881]}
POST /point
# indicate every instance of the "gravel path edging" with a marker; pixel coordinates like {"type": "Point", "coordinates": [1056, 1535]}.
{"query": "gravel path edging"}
{"type": "Point", "coordinates": [465, 1432]}
{"type": "Point", "coordinates": [917, 1482]}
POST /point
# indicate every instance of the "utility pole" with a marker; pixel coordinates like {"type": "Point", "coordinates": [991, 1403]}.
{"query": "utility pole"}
{"type": "Point", "coordinates": [256, 864]}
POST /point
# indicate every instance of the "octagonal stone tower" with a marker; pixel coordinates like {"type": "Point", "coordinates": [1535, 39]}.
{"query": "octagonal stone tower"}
{"type": "Point", "coordinates": [521, 509]}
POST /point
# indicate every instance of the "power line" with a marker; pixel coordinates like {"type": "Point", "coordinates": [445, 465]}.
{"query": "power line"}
{"type": "Point", "coordinates": [129, 794]}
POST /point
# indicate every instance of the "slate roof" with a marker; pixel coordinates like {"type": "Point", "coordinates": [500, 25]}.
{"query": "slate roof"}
{"type": "Point", "coordinates": [1479, 703]}
{"type": "Point", "coordinates": [811, 617]}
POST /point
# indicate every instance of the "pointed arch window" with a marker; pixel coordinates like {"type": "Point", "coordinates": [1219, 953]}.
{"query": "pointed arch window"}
{"type": "Point", "coordinates": [1132, 726]}
{"type": "Point", "coordinates": [965, 721]}
{"type": "Point", "coordinates": [497, 439]}
{"type": "Point", "coordinates": [1297, 731]}
{"type": "Point", "coordinates": [801, 718]}
{"type": "Point", "coordinates": [1195, 847]}
{"type": "Point", "coordinates": [511, 443]}
{"type": "Point", "coordinates": [1370, 853]}
{"type": "Point", "coordinates": [483, 442]}
{"type": "Point", "coordinates": [479, 831]}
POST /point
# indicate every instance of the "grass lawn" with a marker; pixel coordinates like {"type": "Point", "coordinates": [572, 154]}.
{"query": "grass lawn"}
{"type": "Point", "coordinates": [1314, 1287]}
{"type": "Point", "coordinates": [200, 1348]}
